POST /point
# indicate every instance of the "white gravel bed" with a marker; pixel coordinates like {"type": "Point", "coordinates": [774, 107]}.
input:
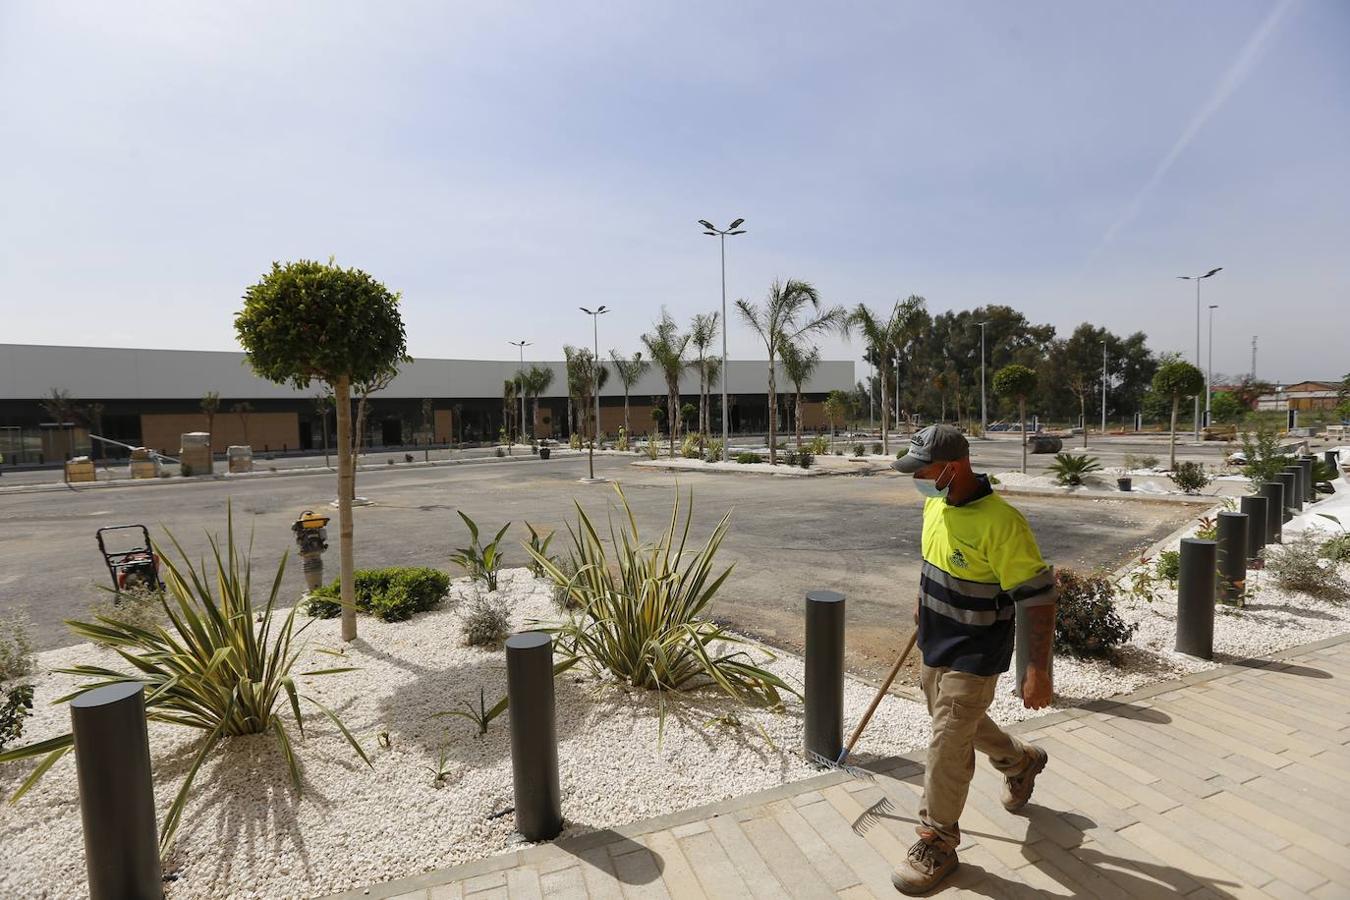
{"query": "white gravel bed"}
{"type": "Point", "coordinates": [698, 465]}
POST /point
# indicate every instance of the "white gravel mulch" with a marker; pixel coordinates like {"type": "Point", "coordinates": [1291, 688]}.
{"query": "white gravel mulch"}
{"type": "Point", "coordinates": [246, 833]}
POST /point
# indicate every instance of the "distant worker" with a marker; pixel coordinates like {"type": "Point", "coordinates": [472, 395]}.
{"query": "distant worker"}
{"type": "Point", "coordinates": [980, 560]}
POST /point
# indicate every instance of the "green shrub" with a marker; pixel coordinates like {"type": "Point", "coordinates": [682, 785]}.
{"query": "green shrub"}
{"type": "Point", "coordinates": [222, 666]}
{"type": "Point", "coordinates": [806, 459]}
{"type": "Point", "coordinates": [1298, 565]}
{"type": "Point", "coordinates": [1070, 469]}
{"type": "Point", "coordinates": [487, 621]}
{"type": "Point", "coordinates": [394, 594]}
{"type": "Point", "coordinates": [820, 445]}
{"type": "Point", "coordinates": [689, 448]}
{"type": "Point", "coordinates": [1336, 549]}
{"type": "Point", "coordinates": [1168, 565]}
{"type": "Point", "coordinates": [1129, 462]}
{"type": "Point", "coordinates": [482, 562]}
{"type": "Point", "coordinates": [859, 450]}
{"type": "Point", "coordinates": [747, 457]}
{"type": "Point", "coordinates": [1086, 621]}
{"type": "Point", "coordinates": [1190, 477]}
{"type": "Point", "coordinates": [714, 450]}
{"type": "Point", "coordinates": [790, 458]}
{"type": "Point", "coordinates": [133, 606]}
{"type": "Point", "coordinates": [876, 449]}
{"type": "Point", "coordinates": [642, 621]}
{"type": "Point", "coordinates": [1149, 462]}
{"type": "Point", "coordinates": [16, 704]}
{"type": "Point", "coordinates": [1209, 528]}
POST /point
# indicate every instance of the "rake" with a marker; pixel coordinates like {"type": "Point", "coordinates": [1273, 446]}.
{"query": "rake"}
{"type": "Point", "coordinates": [840, 763]}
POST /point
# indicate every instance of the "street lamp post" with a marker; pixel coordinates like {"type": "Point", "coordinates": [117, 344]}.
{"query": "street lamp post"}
{"type": "Point", "coordinates": [521, 381]}
{"type": "Point", "coordinates": [984, 410]}
{"type": "Point", "coordinates": [1197, 279]}
{"type": "Point", "coordinates": [595, 380]}
{"type": "Point", "coordinates": [721, 234]}
{"type": "Point", "coordinates": [1103, 390]}
{"type": "Point", "coordinates": [1209, 375]}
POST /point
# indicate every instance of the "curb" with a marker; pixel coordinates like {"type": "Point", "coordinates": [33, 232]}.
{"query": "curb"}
{"type": "Point", "coordinates": [1130, 496]}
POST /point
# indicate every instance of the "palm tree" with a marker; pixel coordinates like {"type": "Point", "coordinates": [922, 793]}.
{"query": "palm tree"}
{"type": "Point", "coordinates": [789, 313]}
{"type": "Point", "coordinates": [798, 365]}
{"type": "Point", "coordinates": [666, 346]}
{"type": "Point", "coordinates": [630, 371]}
{"type": "Point", "coordinates": [884, 338]}
{"type": "Point", "coordinates": [210, 405]}
{"type": "Point", "coordinates": [702, 332]}
{"type": "Point", "coordinates": [534, 381]}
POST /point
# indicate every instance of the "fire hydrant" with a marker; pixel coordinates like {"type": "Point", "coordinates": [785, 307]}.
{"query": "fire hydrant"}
{"type": "Point", "coordinates": [311, 539]}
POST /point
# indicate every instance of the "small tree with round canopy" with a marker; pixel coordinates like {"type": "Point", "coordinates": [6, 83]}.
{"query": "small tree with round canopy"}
{"type": "Point", "coordinates": [309, 321]}
{"type": "Point", "coordinates": [1016, 382]}
{"type": "Point", "coordinates": [1177, 380]}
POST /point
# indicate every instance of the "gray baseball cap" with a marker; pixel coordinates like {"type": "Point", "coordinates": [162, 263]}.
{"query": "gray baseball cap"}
{"type": "Point", "coordinates": [936, 443]}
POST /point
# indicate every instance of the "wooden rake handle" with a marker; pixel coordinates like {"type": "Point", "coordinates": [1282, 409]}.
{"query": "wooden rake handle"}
{"type": "Point", "coordinates": [876, 701]}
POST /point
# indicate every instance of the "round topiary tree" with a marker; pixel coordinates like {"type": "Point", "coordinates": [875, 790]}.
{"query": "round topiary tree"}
{"type": "Point", "coordinates": [1177, 380]}
{"type": "Point", "coordinates": [1016, 382]}
{"type": "Point", "coordinates": [309, 321]}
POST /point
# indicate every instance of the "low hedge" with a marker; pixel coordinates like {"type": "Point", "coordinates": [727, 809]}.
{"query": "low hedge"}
{"type": "Point", "coordinates": [394, 594]}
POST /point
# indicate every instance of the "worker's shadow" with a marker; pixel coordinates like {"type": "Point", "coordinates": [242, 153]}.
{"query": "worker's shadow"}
{"type": "Point", "coordinates": [1067, 830]}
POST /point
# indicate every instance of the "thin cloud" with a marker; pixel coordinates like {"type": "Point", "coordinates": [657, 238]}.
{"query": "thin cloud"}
{"type": "Point", "coordinates": [1232, 78]}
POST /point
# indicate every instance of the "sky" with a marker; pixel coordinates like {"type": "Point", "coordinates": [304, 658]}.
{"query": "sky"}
{"type": "Point", "coordinates": [501, 164]}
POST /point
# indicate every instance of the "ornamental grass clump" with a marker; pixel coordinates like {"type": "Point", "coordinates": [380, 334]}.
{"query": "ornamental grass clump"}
{"type": "Point", "coordinates": [640, 618]}
{"type": "Point", "coordinates": [1300, 565]}
{"type": "Point", "coordinates": [220, 665]}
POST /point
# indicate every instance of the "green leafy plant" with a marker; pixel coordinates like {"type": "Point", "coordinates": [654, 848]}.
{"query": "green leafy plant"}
{"type": "Point", "coordinates": [1086, 621]}
{"type": "Point", "coordinates": [1190, 476]}
{"type": "Point", "coordinates": [622, 444]}
{"type": "Point", "coordinates": [876, 449]}
{"type": "Point", "coordinates": [481, 562]}
{"type": "Point", "coordinates": [481, 716]}
{"type": "Point", "coordinates": [806, 459]}
{"type": "Point", "coordinates": [714, 450]}
{"type": "Point", "coordinates": [16, 648]}
{"type": "Point", "coordinates": [747, 457]}
{"type": "Point", "coordinates": [1336, 549]}
{"type": "Point", "coordinates": [1322, 474]}
{"type": "Point", "coordinates": [820, 445]}
{"type": "Point", "coordinates": [1176, 380]}
{"type": "Point", "coordinates": [539, 545]}
{"type": "Point", "coordinates": [1264, 459]}
{"type": "Point", "coordinates": [1299, 565]}
{"type": "Point", "coordinates": [641, 620]}
{"type": "Point", "coordinates": [790, 458]}
{"type": "Point", "coordinates": [1209, 528]}
{"type": "Point", "coordinates": [1017, 382]}
{"type": "Point", "coordinates": [691, 446]}
{"type": "Point", "coordinates": [221, 665]}
{"type": "Point", "coordinates": [1142, 581]}
{"type": "Point", "coordinates": [133, 606]}
{"type": "Point", "coordinates": [393, 594]}
{"type": "Point", "coordinates": [441, 772]}
{"type": "Point", "coordinates": [1070, 469]}
{"type": "Point", "coordinates": [16, 704]}
{"type": "Point", "coordinates": [859, 450]}
{"type": "Point", "coordinates": [1169, 565]}
{"type": "Point", "coordinates": [487, 622]}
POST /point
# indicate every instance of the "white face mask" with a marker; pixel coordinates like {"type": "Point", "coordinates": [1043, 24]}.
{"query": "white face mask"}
{"type": "Point", "coordinates": [930, 488]}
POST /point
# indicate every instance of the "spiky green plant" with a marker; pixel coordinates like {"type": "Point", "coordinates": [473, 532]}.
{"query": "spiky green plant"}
{"type": "Point", "coordinates": [220, 664]}
{"type": "Point", "coordinates": [641, 620]}
{"type": "Point", "coordinates": [1070, 469]}
{"type": "Point", "coordinates": [540, 544]}
{"type": "Point", "coordinates": [481, 562]}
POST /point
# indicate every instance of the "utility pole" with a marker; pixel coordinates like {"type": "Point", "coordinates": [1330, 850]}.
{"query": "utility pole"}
{"type": "Point", "coordinates": [595, 380]}
{"type": "Point", "coordinates": [1103, 389]}
{"type": "Point", "coordinates": [1253, 357]}
{"type": "Point", "coordinates": [984, 410]}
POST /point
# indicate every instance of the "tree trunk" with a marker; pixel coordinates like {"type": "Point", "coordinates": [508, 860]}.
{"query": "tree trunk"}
{"type": "Point", "coordinates": [885, 415]}
{"type": "Point", "coordinates": [1172, 443]}
{"type": "Point", "coordinates": [325, 438]}
{"type": "Point", "coordinates": [1022, 416]}
{"type": "Point", "coordinates": [672, 413]}
{"type": "Point", "coordinates": [627, 429]}
{"type": "Point", "coordinates": [342, 390]}
{"type": "Point", "coordinates": [773, 414]}
{"type": "Point", "coordinates": [799, 418]}
{"type": "Point", "coordinates": [702, 406]}
{"type": "Point", "coordinates": [534, 425]}
{"type": "Point", "coordinates": [1082, 416]}
{"type": "Point", "coordinates": [356, 441]}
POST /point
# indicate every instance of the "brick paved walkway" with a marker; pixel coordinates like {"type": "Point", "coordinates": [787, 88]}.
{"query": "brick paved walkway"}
{"type": "Point", "coordinates": [1233, 783]}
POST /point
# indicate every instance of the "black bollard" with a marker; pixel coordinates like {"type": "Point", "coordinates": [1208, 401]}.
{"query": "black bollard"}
{"type": "Point", "coordinates": [1195, 598]}
{"type": "Point", "coordinates": [534, 735]}
{"type": "Point", "coordinates": [1273, 491]}
{"type": "Point", "coordinates": [1254, 505]}
{"type": "Point", "coordinates": [1333, 459]}
{"type": "Point", "coordinates": [1300, 497]}
{"type": "Point", "coordinates": [1305, 463]}
{"type": "Point", "coordinates": [1232, 556]}
{"type": "Point", "coordinates": [824, 660]}
{"type": "Point", "coordinates": [1290, 482]}
{"type": "Point", "coordinates": [117, 799]}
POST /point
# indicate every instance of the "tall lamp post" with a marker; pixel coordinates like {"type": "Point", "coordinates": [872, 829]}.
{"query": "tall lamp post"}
{"type": "Point", "coordinates": [1103, 390]}
{"type": "Point", "coordinates": [984, 410]}
{"type": "Point", "coordinates": [595, 380]}
{"type": "Point", "coordinates": [522, 345]}
{"type": "Point", "coordinates": [721, 234]}
{"type": "Point", "coordinates": [1209, 374]}
{"type": "Point", "coordinates": [1197, 279]}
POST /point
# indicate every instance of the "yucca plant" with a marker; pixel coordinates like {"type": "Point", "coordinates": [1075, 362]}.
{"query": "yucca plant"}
{"type": "Point", "coordinates": [641, 620]}
{"type": "Point", "coordinates": [481, 562]}
{"type": "Point", "coordinates": [540, 544]}
{"type": "Point", "coordinates": [220, 664]}
{"type": "Point", "coordinates": [1070, 469]}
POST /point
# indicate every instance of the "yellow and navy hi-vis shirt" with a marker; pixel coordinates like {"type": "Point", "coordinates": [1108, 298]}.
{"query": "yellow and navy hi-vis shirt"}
{"type": "Point", "coordinates": [979, 559]}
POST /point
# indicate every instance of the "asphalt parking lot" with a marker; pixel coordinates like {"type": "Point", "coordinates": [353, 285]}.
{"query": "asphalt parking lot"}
{"type": "Point", "coordinates": [854, 534]}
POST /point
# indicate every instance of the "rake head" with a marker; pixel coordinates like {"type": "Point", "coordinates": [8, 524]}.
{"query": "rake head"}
{"type": "Point", "coordinates": [838, 765]}
{"type": "Point", "coordinates": [873, 815]}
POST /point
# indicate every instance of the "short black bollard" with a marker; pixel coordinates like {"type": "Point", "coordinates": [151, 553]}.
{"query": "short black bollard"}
{"type": "Point", "coordinates": [117, 799]}
{"type": "Point", "coordinates": [1195, 598]}
{"type": "Point", "coordinates": [1254, 505]}
{"type": "Point", "coordinates": [1273, 491]}
{"type": "Point", "coordinates": [1333, 459]}
{"type": "Point", "coordinates": [1232, 556]}
{"type": "Point", "coordinates": [1290, 481]}
{"type": "Point", "coordinates": [534, 735]}
{"type": "Point", "coordinates": [1299, 497]}
{"type": "Point", "coordinates": [824, 673]}
{"type": "Point", "coordinates": [1305, 463]}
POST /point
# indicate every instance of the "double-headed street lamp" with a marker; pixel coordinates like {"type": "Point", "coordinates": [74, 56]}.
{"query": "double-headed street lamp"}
{"type": "Point", "coordinates": [1197, 279]}
{"type": "Point", "coordinates": [721, 233]}
{"type": "Point", "coordinates": [595, 379]}
{"type": "Point", "coordinates": [520, 381]}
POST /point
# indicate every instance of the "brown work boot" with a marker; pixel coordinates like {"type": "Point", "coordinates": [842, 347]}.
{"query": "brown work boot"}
{"type": "Point", "coordinates": [1017, 788]}
{"type": "Point", "coordinates": [924, 868]}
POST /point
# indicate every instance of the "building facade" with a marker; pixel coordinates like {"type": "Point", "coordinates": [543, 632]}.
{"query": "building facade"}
{"type": "Point", "coordinates": [54, 400]}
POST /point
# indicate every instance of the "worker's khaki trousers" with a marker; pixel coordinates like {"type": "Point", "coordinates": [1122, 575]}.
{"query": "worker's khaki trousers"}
{"type": "Point", "coordinates": [958, 703]}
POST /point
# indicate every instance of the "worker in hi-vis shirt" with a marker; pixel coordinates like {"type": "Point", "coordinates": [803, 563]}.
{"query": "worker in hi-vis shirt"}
{"type": "Point", "coordinates": [980, 561]}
